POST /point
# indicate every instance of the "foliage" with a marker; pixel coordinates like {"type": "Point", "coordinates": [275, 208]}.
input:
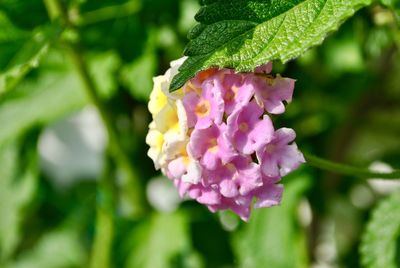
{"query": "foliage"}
{"type": "Point", "coordinates": [274, 231]}
{"type": "Point", "coordinates": [379, 246]}
{"type": "Point", "coordinates": [18, 185]}
{"type": "Point", "coordinates": [154, 238]}
{"type": "Point", "coordinates": [245, 34]}
{"type": "Point", "coordinates": [345, 108]}
{"type": "Point", "coordinates": [21, 51]}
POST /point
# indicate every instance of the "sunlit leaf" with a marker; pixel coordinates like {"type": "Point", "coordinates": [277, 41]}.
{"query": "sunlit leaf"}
{"type": "Point", "coordinates": [27, 14]}
{"type": "Point", "coordinates": [161, 243]}
{"type": "Point", "coordinates": [137, 76]}
{"type": "Point", "coordinates": [17, 188]}
{"type": "Point", "coordinates": [103, 68]}
{"type": "Point", "coordinates": [273, 237]}
{"type": "Point", "coordinates": [55, 93]}
{"type": "Point", "coordinates": [379, 242]}
{"type": "Point", "coordinates": [21, 51]}
{"type": "Point", "coordinates": [246, 33]}
{"type": "Point", "coordinates": [57, 249]}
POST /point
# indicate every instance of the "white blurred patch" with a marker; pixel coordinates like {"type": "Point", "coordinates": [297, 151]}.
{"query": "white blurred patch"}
{"type": "Point", "coordinates": [383, 186]}
{"type": "Point", "coordinates": [323, 265]}
{"type": "Point", "coordinates": [304, 213]}
{"type": "Point", "coordinates": [72, 148]}
{"type": "Point", "coordinates": [325, 251]}
{"type": "Point", "coordinates": [162, 194]}
{"type": "Point", "coordinates": [361, 196]}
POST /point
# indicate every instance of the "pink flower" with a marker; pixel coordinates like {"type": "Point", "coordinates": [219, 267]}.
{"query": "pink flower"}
{"type": "Point", "coordinates": [247, 131]}
{"type": "Point", "coordinates": [279, 157]}
{"type": "Point", "coordinates": [205, 195]}
{"type": "Point", "coordinates": [185, 169]}
{"type": "Point", "coordinates": [241, 207]}
{"type": "Point", "coordinates": [238, 177]}
{"type": "Point", "coordinates": [205, 108]}
{"type": "Point", "coordinates": [222, 149]}
{"type": "Point", "coordinates": [211, 145]}
{"type": "Point", "coordinates": [271, 92]}
{"type": "Point", "coordinates": [268, 195]}
{"type": "Point", "coordinates": [236, 91]}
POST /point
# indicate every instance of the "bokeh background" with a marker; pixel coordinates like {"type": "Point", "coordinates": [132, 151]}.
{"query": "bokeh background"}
{"type": "Point", "coordinates": [66, 201]}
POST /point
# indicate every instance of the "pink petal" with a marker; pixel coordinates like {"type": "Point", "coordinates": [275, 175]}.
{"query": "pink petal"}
{"type": "Point", "coordinates": [291, 158]}
{"type": "Point", "coordinates": [229, 188]}
{"type": "Point", "coordinates": [209, 197]}
{"type": "Point", "coordinates": [285, 135]}
{"type": "Point", "coordinates": [270, 196]}
{"type": "Point", "coordinates": [269, 165]}
{"type": "Point", "coordinates": [265, 68]}
{"type": "Point", "coordinates": [176, 168]}
{"type": "Point", "coordinates": [260, 135]}
{"type": "Point", "coordinates": [210, 160]}
{"type": "Point", "coordinates": [189, 102]}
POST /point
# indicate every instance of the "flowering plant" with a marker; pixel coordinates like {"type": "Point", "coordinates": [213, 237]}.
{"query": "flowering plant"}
{"type": "Point", "coordinates": [215, 139]}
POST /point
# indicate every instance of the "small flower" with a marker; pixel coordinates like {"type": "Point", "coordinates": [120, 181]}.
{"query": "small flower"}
{"type": "Point", "coordinates": [247, 130]}
{"type": "Point", "coordinates": [211, 145]}
{"type": "Point", "coordinates": [185, 168]}
{"type": "Point", "coordinates": [270, 92]}
{"type": "Point", "coordinates": [236, 91]}
{"type": "Point", "coordinates": [205, 108]}
{"type": "Point", "coordinates": [157, 98]}
{"type": "Point", "coordinates": [239, 177]}
{"type": "Point", "coordinates": [241, 207]}
{"type": "Point", "coordinates": [176, 133]}
{"type": "Point", "coordinates": [155, 139]}
{"type": "Point", "coordinates": [268, 195]}
{"type": "Point", "coordinates": [168, 130]}
{"type": "Point", "coordinates": [279, 157]}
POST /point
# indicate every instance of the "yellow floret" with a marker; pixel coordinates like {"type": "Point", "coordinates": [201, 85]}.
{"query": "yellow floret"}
{"type": "Point", "coordinates": [157, 98]}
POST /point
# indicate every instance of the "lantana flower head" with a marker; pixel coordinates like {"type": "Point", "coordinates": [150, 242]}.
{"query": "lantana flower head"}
{"type": "Point", "coordinates": [214, 137]}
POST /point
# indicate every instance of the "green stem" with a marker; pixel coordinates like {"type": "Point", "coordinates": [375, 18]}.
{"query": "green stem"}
{"type": "Point", "coordinates": [104, 231]}
{"type": "Point", "coordinates": [53, 9]}
{"type": "Point", "coordinates": [348, 170]}
{"type": "Point", "coordinates": [107, 13]}
{"type": "Point", "coordinates": [116, 148]}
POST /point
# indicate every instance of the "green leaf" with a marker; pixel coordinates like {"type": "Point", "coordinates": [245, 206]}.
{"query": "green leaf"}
{"type": "Point", "coordinates": [162, 242]}
{"type": "Point", "coordinates": [59, 248]}
{"type": "Point", "coordinates": [273, 237]}
{"type": "Point", "coordinates": [21, 51]}
{"type": "Point", "coordinates": [56, 92]}
{"type": "Point", "coordinates": [17, 188]}
{"type": "Point", "coordinates": [244, 34]}
{"type": "Point", "coordinates": [27, 14]}
{"type": "Point", "coordinates": [378, 246]}
{"type": "Point", "coordinates": [103, 68]}
{"type": "Point", "coordinates": [137, 76]}
{"type": "Point", "coordinates": [395, 6]}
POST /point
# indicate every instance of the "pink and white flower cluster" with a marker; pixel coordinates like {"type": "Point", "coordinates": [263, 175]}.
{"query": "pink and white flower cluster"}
{"type": "Point", "coordinates": [215, 139]}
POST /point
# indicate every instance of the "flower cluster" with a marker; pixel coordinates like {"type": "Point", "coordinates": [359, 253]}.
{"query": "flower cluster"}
{"type": "Point", "coordinates": [215, 139]}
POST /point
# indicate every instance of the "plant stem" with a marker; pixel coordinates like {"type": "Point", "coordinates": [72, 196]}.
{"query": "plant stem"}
{"type": "Point", "coordinates": [348, 170]}
{"type": "Point", "coordinates": [104, 230]}
{"type": "Point", "coordinates": [107, 13]}
{"type": "Point", "coordinates": [115, 146]}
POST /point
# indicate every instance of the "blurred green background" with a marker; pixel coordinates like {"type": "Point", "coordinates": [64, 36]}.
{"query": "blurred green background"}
{"type": "Point", "coordinates": [68, 200]}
